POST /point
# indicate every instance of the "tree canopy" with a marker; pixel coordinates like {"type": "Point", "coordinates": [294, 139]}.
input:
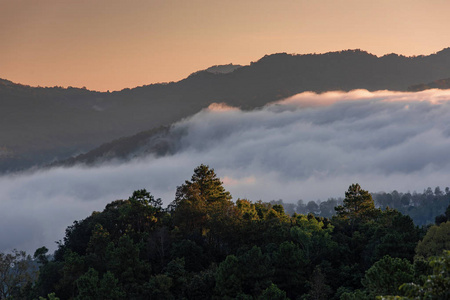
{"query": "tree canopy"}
{"type": "Point", "coordinates": [204, 245]}
{"type": "Point", "coordinates": [358, 204]}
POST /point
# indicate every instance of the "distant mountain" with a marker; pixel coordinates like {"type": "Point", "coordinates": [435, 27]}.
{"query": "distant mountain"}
{"type": "Point", "coordinates": [223, 69]}
{"type": "Point", "coordinates": [218, 69]}
{"type": "Point", "coordinates": [158, 142]}
{"type": "Point", "coordinates": [40, 125]}
{"type": "Point", "coordinates": [437, 84]}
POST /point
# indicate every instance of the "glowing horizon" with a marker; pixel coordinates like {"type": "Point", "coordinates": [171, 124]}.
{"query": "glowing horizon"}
{"type": "Point", "coordinates": [110, 45]}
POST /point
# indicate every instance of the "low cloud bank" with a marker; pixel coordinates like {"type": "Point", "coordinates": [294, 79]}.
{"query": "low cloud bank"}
{"type": "Point", "coordinates": [310, 147]}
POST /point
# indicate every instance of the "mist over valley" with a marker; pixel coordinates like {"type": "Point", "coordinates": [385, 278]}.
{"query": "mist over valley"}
{"type": "Point", "coordinates": [310, 146]}
{"type": "Point", "coordinates": [41, 125]}
{"type": "Point", "coordinates": [224, 150]}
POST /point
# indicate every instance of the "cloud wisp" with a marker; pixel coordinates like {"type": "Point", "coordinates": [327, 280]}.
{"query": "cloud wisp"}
{"type": "Point", "coordinates": [310, 146]}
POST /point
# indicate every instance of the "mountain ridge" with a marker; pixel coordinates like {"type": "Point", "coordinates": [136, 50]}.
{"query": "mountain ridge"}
{"type": "Point", "coordinates": [45, 124]}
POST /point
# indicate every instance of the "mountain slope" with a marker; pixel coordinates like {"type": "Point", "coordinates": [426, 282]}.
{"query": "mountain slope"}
{"type": "Point", "coordinates": [159, 141]}
{"type": "Point", "coordinates": [40, 125]}
{"type": "Point", "coordinates": [437, 84]}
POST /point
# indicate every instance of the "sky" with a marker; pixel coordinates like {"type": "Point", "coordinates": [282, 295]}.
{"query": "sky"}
{"type": "Point", "coordinates": [115, 44]}
{"type": "Point", "coordinates": [309, 147]}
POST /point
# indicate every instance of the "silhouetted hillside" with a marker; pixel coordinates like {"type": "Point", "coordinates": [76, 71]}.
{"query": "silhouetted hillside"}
{"type": "Point", "coordinates": [43, 124]}
{"type": "Point", "coordinates": [158, 141]}
{"type": "Point", "coordinates": [223, 69]}
{"type": "Point", "coordinates": [437, 84]}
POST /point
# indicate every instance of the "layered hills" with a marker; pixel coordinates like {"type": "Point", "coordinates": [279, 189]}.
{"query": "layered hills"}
{"type": "Point", "coordinates": [45, 124]}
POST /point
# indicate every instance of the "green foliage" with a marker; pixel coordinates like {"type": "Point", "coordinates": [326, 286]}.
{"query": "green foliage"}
{"type": "Point", "coordinates": [124, 261]}
{"type": "Point", "coordinates": [247, 210]}
{"type": "Point", "coordinates": [73, 267]}
{"type": "Point", "coordinates": [50, 296]}
{"type": "Point", "coordinates": [256, 271]}
{"type": "Point", "coordinates": [49, 276]}
{"type": "Point", "coordinates": [192, 254]}
{"type": "Point", "coordinates": [358, 204]}
{"type": "Point", "coordinates": [436, 286]}
{"type": "Point", "coordinates": [201, 203]}
{"type": "Point", "coordinates": [312, 235]}
{"type": "Point", "coordinates": [319, 289]}
{"type": "Point", "coordinates": [356, 295]}
{"type": "Point", "coordinates": [175, 269]}
{"type": "Point", "coordinates": [201, 285]}
{"type": "Point", "coordinates": [142, 212]}
{"type": "Point", "coordinates": [394, 234]}
{"type": "Point", "coordinates": [204, 246]}
{"type": "Point", "coordinates": [289, 264]}
{"type": "Point", "coordinates": [273, 293]}
{"type": "Point", "coordinates": [90, 287]}
{"type": "Point", "coordinates": [248, 274]}
{"type": "Point", "coordinates": [16, 273]}
{"type": "Point", "coordinates": [228, 282]}
{"type": "Point", "coordinates": [435, 240]}
{"type": "Point", "coordinates": [387, 275]}
{"type": "Point", "coordinates": [113, 242]}
{"type": "Point", "coordinates": [159, 287]}
{"type": "Point", "coordinates": [203, 187]}
{"type": "Point", "coordinates": [358, 246]}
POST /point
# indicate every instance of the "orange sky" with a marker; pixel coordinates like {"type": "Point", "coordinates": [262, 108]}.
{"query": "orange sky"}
{"type": "Point", "coordinates": [111, 44]}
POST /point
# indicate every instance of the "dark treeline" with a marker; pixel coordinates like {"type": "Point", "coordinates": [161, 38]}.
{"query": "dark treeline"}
{"type": "Point", "coordinates": [206, 246]}
{"type": "Point", "coordinates": [423, 208]}
{"type": "Point", "coordinates": [437, 84]}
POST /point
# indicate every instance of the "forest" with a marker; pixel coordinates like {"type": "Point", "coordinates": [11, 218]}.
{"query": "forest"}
{"type": "Point", "coordinates": [205, 245]}
{"type": "Point", "coordinates": [423, 208]}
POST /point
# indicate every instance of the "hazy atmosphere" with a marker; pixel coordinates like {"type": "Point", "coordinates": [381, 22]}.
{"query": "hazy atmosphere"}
{"type": "Point", "coordinates": [310, 147]}
{"type": "Point", "coordinates": [114, 44]}
{"type": "Point", "coordinates": [155, 149]}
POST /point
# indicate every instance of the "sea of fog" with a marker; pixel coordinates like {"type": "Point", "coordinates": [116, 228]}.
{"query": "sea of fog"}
{"type": "Point", "coordinates": [310, 146]}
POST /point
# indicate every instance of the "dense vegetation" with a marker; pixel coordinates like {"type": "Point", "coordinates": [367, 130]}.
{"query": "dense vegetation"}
{"type": "Point", "coordinates": [424, 208]}
{"type": "Point", "coordinates": [206, 246]}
